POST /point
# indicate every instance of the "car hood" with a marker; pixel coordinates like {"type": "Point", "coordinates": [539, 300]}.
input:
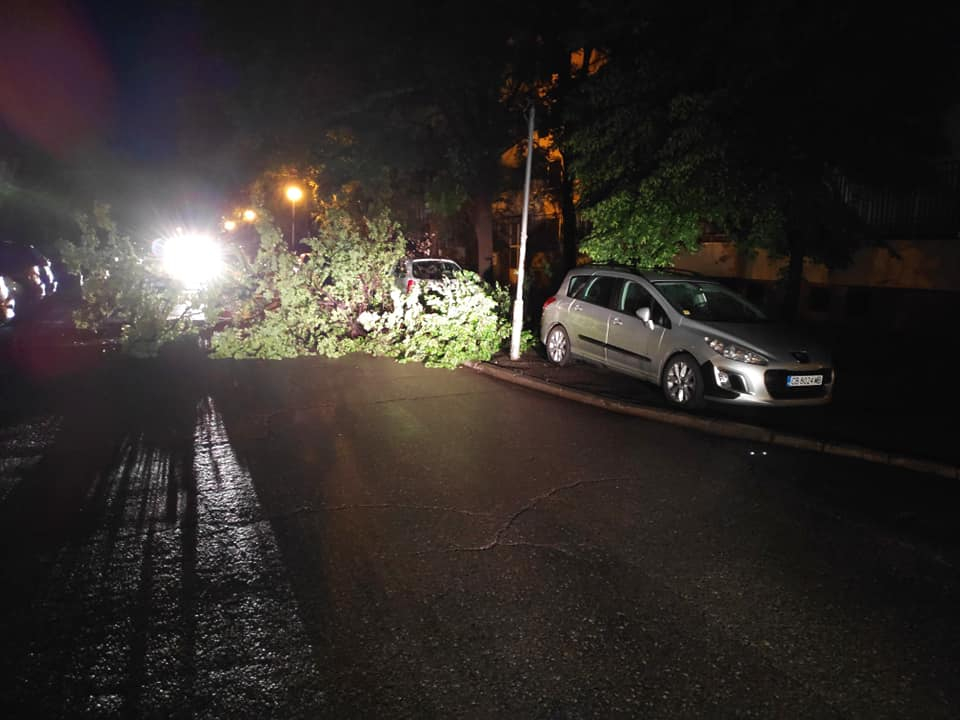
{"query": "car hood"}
{"type": "Point", "coordinates": [775, 341]}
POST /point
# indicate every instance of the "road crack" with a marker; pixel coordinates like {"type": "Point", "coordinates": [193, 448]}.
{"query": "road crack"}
{"type": "Point", "coordinates": [415, 398]}
{"type": "Point", "coordinates": [307, 509]}
{"type": "Point", "coordinates": [497, 539]}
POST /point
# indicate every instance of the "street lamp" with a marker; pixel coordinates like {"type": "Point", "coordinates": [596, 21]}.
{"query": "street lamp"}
{"type": "Point", "coordinates": [294, 195]}
{"type": "Point", "coordinates": [249, 215]}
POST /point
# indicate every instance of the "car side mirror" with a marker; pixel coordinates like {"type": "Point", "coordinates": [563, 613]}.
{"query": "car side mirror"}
{"type": "Point", "coordinates": [644, 315]}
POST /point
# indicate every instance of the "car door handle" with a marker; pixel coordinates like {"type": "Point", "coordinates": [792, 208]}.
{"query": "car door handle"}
{"type": "Point", "coordinates": [617, 321]}
{"type": "Point", "coordinates": [578, 307]}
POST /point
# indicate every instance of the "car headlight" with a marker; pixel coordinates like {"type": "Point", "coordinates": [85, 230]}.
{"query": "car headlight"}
{"type": "Point", "coordinates": [735, 352]}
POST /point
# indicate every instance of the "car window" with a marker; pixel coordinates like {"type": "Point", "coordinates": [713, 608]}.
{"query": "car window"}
{"type": "Point", "coordinates": [709, 302]}
{"type": "Point", "coordinates": [576, 283]}
{"type": "Point", "coordinates": [600, 290]}
{"type": "Point", "coordinates": [659, 315]}
{"type": "Point", "coordinates": [633, 297]}
{"type": "Point", "coordinates": [449, 269]}
{"type": "Point", "coordinates": [434, 270]}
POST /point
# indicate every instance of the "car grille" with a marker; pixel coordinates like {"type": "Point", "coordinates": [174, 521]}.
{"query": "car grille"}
{"type": "Point", "coordinates": [776, 382]}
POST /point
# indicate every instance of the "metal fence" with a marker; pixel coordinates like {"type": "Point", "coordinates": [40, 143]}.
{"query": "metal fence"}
{"type": "Point", "coordinates": [924, 212]}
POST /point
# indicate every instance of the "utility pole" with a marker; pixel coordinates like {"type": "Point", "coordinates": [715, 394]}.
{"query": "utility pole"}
{"type": "Point", "coordinates": [521, 260]}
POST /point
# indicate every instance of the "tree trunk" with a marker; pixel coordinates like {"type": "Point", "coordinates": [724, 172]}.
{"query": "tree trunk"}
{"type": "Point", "coordinates": [482, 216]}
{"type": "Point", "coordinates": [569, 237]}
{"type": "Point", "coordinates": [794, 280]}
{"type": "Point", "coordinates": [569, 231]}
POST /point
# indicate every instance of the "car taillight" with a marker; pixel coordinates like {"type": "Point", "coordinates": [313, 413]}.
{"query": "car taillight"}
{"type": "Point", "coordinates": [410, 284]}
{"type": "Point", "coordinates": [549, 301]}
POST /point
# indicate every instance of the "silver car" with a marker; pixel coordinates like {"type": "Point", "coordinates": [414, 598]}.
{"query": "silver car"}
{"type": "Point", "coordinates": [695, 338]}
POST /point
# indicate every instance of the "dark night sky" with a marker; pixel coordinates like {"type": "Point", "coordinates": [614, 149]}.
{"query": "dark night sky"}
{"type": "Point", "coordinates": [97, 89]}
{"type": "Point", "coordinates": [122, 98]}
{"type": "Point", "coordinates": [125, 95]}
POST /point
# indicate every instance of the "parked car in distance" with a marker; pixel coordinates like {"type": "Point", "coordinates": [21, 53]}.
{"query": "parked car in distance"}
{"type": "Point", "coordinates": [425, 271]}
{"type": "Point", "coordinates": [695, 338]}
{"type": "Point", "coordinates": [7, 302]}
{"type": "Point", "coordinates": [26, 277]}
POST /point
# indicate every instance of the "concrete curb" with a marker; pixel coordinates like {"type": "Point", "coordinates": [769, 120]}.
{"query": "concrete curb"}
{"type": "Point", "coordinates": [723, 428]}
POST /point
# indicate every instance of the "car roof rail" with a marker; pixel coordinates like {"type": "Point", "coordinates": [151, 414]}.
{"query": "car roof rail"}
{"type": "Point", "coordinates": [673, 271]}
{"type": "Point", "coordinates": [668, 269]}
{"type": "Point", "coordinates": [606, 266]}
{"type": "Point", "coordinates": [641, 269]}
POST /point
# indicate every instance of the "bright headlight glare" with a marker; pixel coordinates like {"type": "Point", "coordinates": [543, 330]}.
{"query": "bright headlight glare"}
{"type": "Point", "coordinates": [193, 259]}
{"type": "Point", "coordinates": [735, 352]}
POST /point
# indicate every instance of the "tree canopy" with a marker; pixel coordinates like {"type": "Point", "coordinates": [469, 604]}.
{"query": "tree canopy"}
{"type": "Point", "coordinates": [746, 118]}
{"type": "Point", "coordinates": [740, 117]}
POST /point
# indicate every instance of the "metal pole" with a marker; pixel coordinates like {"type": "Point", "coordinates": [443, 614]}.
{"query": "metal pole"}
{"type": "Point", "coordinates": [293, 225]}
{"type": "Point", "coordinates": [521, 260]}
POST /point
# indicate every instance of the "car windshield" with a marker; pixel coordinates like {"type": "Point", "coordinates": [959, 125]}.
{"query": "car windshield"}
{"type": "Point", "coordinates": [434, 269]}
{"type": "Point", "coordinates": [709, 302]}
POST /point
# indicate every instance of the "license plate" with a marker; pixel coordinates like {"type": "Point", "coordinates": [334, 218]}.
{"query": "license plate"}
{"type": "Point", "coordinates": [804, 380]}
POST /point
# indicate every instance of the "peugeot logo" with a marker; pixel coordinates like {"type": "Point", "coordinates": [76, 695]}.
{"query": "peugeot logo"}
{"type": "Point", "coordinates": [802, 356]}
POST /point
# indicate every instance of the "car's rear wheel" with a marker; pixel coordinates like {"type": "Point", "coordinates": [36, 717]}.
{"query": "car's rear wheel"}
{"type": "Point", "coordinates": [682, 382]}
{"type": "Point", "coordinates": [558, 346]}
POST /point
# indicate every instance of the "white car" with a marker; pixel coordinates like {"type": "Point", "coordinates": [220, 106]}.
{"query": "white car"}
{"type": "Point", "coordinates": [411, 271]}
{"type": "Point", "coordinates": [695, 338]}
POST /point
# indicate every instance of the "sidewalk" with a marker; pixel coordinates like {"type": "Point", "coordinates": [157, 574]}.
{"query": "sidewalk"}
{"type": "Point", "coordinates": [859, 423]}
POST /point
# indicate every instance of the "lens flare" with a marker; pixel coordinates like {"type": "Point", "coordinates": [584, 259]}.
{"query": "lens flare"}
{"type": "Point", "coordinates": [193, 259]}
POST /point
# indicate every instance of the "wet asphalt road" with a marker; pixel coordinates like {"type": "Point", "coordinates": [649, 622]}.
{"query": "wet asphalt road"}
{"type": "Point", "coordinates": [357, 538]}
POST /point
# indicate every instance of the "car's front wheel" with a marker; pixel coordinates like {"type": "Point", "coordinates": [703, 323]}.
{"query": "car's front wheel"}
{"type": "Point", "coordinates": [683, 382]}
{"type": "Point", "coordinates": [558, 346]}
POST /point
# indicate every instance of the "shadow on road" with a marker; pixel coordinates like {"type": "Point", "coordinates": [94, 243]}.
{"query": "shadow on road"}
{"type": "Point", "coordinates": [288, 433]}
{"type": "Point", "coordinates": [81, 529]}
{"type": "Point", "coordinates": [142, 573]}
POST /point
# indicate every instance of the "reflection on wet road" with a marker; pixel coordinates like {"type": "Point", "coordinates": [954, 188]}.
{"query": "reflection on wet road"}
{"type": "Point", "coordinates": [21, 448]}
{"type": "Point", "coordinates": [177, 604]}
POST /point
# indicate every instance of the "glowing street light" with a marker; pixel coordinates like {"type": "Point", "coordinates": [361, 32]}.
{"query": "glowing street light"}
{"type": "Point", "coordinates": [249, 216]}
{"type": "Point", "coordinates": [294, 195]}
{"type": "Point", "coordinates": [229, 225]}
